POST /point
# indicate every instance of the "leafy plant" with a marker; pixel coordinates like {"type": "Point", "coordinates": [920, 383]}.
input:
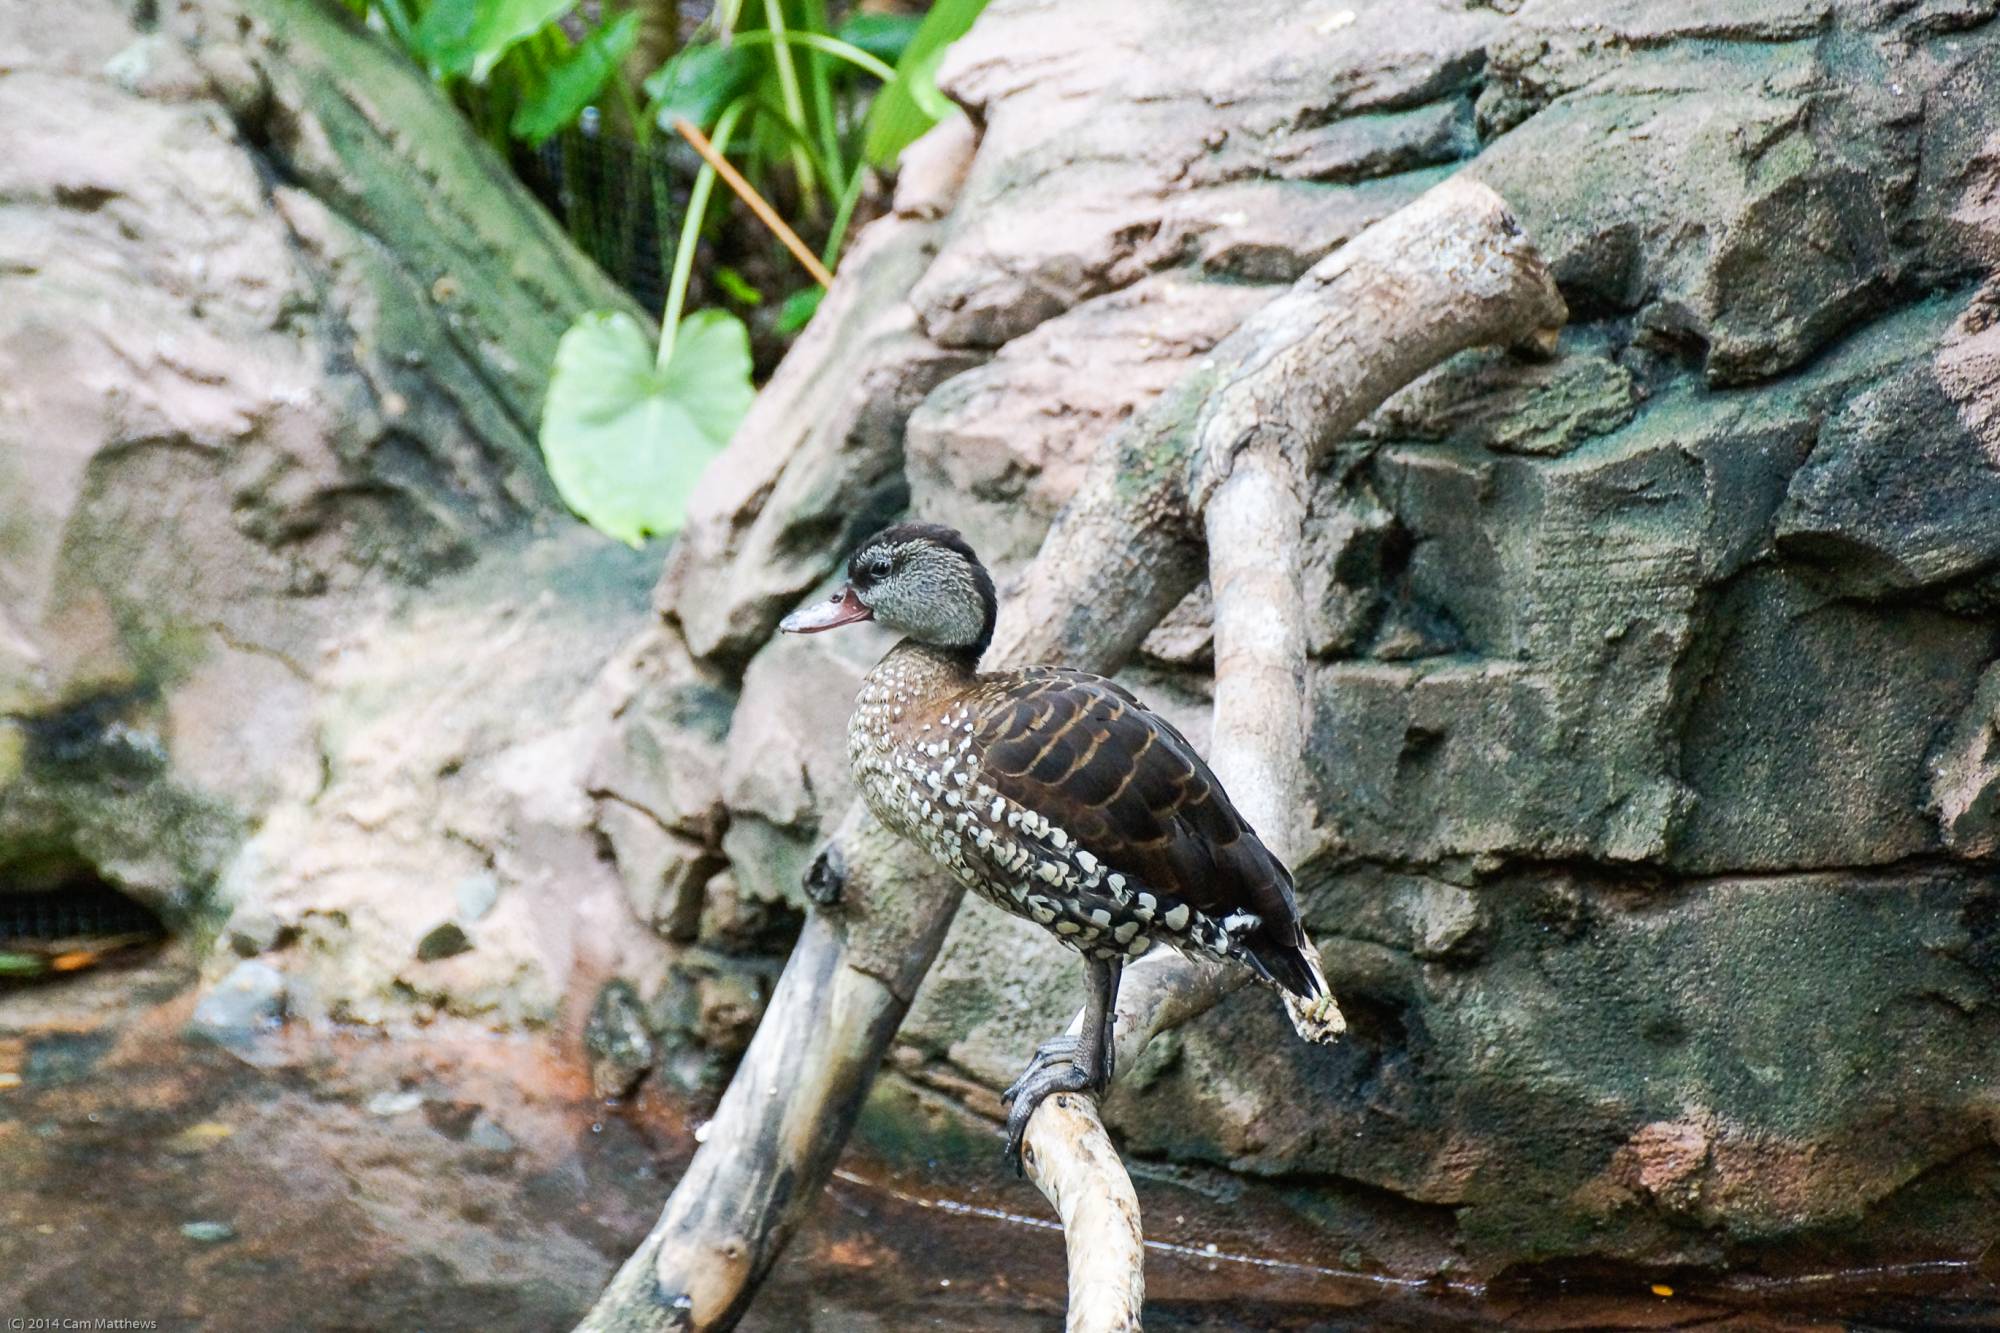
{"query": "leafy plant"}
{"type": "Point", "coordinates": [627, 428]}
{"type": "Point", "coordinates": [509, 64]}
{"type": "Point", "coordinates": [575, 82]}
{"type": "Point", "coordinates": [911, 103]}
{"type": "Point", "coordinates": [627, 438]}
{"type": "Point", "coordinates": [811, 96]}
{"type": "Point", "coordinates": [802, 110]}
{"type": "Point", "coordinates": [627, 435]}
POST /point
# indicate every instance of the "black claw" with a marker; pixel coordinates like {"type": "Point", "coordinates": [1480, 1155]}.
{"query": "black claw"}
{"type": "Point", "coordinates": [1035, 1086]}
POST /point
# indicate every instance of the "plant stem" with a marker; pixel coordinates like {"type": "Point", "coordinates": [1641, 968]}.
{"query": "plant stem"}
{"type": "Point", "coordinates": [712, 157]}
{"type": "Point", "coordinates": [795, 103]}
{"type": "Point", "coordinates": [849, 197]}
{"type": "Point", "coordinates": [704, 185]}
{"type": "Point", "coordinates": [822, 87]}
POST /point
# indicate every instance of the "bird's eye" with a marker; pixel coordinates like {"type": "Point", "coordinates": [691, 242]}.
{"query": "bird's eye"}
{"type": "Point", "coordinates": [880, 566]}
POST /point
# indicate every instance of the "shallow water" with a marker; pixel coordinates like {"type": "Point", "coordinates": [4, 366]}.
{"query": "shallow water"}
{"type": "Point", "coordinates": [445, 1179]}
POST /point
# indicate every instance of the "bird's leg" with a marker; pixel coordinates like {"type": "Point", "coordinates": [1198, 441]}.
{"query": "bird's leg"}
{"type": "Point", "coordinates": [1104, 991]}
{"type": "Point", "coordinates": [1068, 1063]}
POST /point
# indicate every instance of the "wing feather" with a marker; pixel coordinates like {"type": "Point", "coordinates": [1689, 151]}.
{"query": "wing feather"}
{"type": "Point", "coordinates": [1119, 779]}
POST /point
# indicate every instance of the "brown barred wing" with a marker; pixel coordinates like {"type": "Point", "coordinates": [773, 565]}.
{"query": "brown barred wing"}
{"type": "Point", "coordinates": [1085, 755]}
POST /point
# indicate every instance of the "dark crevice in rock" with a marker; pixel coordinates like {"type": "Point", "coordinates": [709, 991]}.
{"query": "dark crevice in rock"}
{"type": "Point", "coordinates": [58, 915]}
{"type": "Point", "coordinates": [1438, 1216]}
{"type": "Point", "coordinates": [230, 639]}
{"type": "Point", "coordinates": [1695, 666]}
{"type": "Point", "coordinates": [1634, 886]}
{"type": "Point", "coordinates": [94, 737]}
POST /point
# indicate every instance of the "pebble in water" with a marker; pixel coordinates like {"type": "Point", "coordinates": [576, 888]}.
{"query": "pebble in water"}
{"type": "Point", "coordinates": [208, 1232]}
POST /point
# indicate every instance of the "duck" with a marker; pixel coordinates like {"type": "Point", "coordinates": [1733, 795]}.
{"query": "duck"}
{"type": "Point", "coordinates": [1053, 794]}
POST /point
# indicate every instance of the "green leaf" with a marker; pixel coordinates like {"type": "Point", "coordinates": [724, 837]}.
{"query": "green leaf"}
{"type": "Point", "coordinates": [737, 287]}
{"type": "Point", "coordinates": [574, 82]}
{"type": "Point", "coordinates": [699, 82]}
{"type": "Point", "coordinates": [912, 104]}
{"type": "Point", "coordinates": [395, 16]}
{"type": "Point", "coordinates": [468, 37]}
{"type": "Point", "coordinates": [884, 36]}
{"type": "Point", "coordinates": [819, 42]}
{"type": "Point", "coordinates": [22, 965]}
{"type": "Point", "coordinates": [798, 309]}
{"type": "Point", "coordinates": [625, 441]}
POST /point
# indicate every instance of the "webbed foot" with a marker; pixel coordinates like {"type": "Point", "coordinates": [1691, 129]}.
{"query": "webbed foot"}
{"type": "Point", "coordinates": [1040, 1082]}
{"type": "Point", "coordinates": [1054, 1051]}
{"type": "Point", "coordinates": [1055, 1068]}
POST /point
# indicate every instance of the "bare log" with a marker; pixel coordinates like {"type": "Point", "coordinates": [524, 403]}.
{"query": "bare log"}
{"type": "Point", "coordinates": [785, 1117]}
{"type": "Point", "coordinates": [1100, 1217]}
{"type": "Point", "coordinates": [1448, 272]}
{"type": "Point", "coordinates": [1256, 528]}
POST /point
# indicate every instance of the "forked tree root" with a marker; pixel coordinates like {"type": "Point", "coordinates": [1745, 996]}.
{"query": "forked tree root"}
{"type": "Point", "coordinates": [1225, 454]}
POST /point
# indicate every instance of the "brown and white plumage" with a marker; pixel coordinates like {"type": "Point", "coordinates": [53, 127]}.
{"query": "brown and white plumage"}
{"type": "Point", "coordinates": [1052, 793]}
{"type": "Point", "coordinates": [1132, 797]}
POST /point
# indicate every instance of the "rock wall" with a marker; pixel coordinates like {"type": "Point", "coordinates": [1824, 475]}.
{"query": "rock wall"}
{"type": "Point", "coordinates": [278, 556]}
{"type": "Point", "coordinates": [1654, 800]}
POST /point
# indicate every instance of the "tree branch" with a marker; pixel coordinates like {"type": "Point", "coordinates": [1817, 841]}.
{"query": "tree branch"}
{"type": "Point", "coordinates": [1078, 1171]}
{"type": "Point", "coordinates": [785, 1117]}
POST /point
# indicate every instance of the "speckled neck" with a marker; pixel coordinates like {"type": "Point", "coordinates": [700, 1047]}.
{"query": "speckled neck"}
{"type": "Point", "coordinates": [900, 701]}
{"type": "Point", "coordinates": [905, 688]}
{"type": "Point", "coordinates": [925, 671]}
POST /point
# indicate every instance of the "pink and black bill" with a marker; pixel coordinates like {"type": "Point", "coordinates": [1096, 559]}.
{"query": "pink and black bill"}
{"type": "Point", "coordinates": [843, 608]}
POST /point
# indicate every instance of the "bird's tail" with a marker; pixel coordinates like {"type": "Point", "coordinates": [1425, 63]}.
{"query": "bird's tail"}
{"type": "Point", "coordinates": [1293, 970]}
{"type": "Point", "coordinates": [1309, 1003]}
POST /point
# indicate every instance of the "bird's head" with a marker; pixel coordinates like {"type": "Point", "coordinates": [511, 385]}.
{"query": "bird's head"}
{"type": "Point", "coordinates": [919, 579]}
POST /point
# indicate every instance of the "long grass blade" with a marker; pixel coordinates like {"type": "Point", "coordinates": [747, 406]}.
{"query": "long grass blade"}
{"type": "Point", "coordinates": [849, 197]}
{"type": "Point", "coordinates": [788, 87]}
{"type": "Point", "coordinates": [821, 82]}
{"type": "Point", "coordinates": [833, 46]}
{"type": "Point", "coordinates": [704, 186]}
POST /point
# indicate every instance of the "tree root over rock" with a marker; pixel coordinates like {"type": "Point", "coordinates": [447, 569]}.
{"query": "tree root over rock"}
{"type": "Point", "coordinates": [1225, 454]}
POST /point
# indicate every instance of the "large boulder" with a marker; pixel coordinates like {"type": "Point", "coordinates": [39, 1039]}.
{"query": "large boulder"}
{"type": "Point", "coordinates": [294, 627]}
